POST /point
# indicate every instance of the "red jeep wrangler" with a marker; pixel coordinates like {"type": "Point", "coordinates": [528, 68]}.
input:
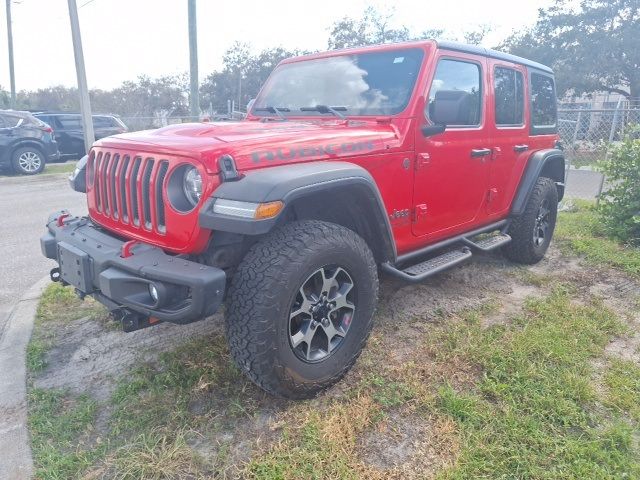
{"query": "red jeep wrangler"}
{"type": "Point", "coordinates": [406, 157]}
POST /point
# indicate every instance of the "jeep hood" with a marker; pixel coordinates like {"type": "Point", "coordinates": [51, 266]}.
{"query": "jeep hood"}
{"type": "Point", "coordinates": [255, 144]}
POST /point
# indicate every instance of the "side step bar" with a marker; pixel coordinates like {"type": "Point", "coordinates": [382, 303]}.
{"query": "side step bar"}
{"type": "Point", "coordinates": [425, 269]}
{"type": "Point", "coordinates": [420, 271]}
{"type": "Point", "coordinates": [488, 243]}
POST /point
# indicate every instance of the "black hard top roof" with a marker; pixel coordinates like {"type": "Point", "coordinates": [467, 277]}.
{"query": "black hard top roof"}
{"type": "Point", "coordinates": [487, 52]}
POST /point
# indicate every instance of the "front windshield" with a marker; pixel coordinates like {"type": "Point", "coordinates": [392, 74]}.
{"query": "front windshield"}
{"type": "Point", "coordinates": [374, 83]}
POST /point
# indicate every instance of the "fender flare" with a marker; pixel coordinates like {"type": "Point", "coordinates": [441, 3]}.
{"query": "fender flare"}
{"type": "Point", "coordinates": [291, 183]}
{"type": "Point", "coordinates": [550, 162]}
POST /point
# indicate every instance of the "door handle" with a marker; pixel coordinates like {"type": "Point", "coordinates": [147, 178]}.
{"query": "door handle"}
{"type": "Point", "coordinates": [480, 152]}
{"type": "Point", "coordinates": [520, 148]}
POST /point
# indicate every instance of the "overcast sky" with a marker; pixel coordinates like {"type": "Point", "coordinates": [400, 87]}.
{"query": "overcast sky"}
{"type": "Point", "coordinates": [126, 38]}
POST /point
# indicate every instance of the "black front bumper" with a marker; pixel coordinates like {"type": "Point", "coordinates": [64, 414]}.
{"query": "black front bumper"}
{"type": "Point", "coordinates": [90, 259]}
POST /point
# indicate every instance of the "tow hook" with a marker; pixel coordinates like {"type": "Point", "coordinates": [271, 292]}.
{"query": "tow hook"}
{"type": "Point", "coordinates": [55, 274]}
{"type": "Point", "coordinates": [132, 321]}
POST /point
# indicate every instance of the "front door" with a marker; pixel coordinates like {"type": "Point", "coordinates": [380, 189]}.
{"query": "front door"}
{"type": "Point", "coordinates": [452, 167]}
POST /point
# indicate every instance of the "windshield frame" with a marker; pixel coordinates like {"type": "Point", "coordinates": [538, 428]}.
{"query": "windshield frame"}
{"type": "Point", "coordinates": [424, 48]}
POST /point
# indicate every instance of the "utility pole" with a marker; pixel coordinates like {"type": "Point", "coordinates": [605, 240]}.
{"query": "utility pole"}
{"type": "Point", "coordinates": [194, 97]}
{"type": "Point", "coordinates": [12, 75]}
{"type": "Point", "coordinates": [83, 90]}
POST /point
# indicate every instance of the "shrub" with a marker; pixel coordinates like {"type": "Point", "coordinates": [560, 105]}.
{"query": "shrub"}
{"type": "Point", "coordinates": [620, 205]}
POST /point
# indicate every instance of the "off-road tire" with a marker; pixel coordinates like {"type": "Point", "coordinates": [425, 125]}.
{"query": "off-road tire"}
{"type": "Point", "coordinates": [523, 247]}
{"type": "Point", "coordinates": [27, 151]}
{"type": "Point", "coordinates": [262, 293]}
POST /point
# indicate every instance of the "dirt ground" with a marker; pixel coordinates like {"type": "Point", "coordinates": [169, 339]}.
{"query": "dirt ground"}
{"type": "Point", "coordinates": [89, 357]}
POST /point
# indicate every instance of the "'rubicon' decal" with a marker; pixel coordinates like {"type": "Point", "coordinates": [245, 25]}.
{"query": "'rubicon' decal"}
{"type": "Point", "coordinates": [309, 151]}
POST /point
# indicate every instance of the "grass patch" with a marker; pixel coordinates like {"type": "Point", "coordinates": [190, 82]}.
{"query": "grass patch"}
{"type": "Point", "coordinates": [180, 388]}
{"type": "Point", "coordinates": [318, 443]}
{"type": "Point", "coordinates": [58, 305]}
{"type": "Point", "coordinates": [531, 415]}
{"type": "Point", "coordinates": [622, 379]}
{"type": "Point", "coordinates": [513, 400]}
{"type": "Point", "coordinates": [50, 169]}
{"type": "Point", "coordinates": [583, 233]}
{"type": "Point", "coordinates": [196, 387]}
{"type": "Point", "coordinates": [532, 278]}
{"type": "Point", "coordinates": [153, 410]}
{"type": "Point", "coordinates": [57, 421]}
{"type": "Point", "coordinates": [156, 454]}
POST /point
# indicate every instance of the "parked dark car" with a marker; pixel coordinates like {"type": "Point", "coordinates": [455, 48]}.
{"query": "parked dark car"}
{"type": "Point", "coordinates": [26, 143]}
{"type": "Point", "coordinates": [69, 132]}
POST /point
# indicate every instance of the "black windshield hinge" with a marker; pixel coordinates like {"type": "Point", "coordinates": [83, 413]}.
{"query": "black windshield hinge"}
{"type": "Point", "coordinates": [228, 169]}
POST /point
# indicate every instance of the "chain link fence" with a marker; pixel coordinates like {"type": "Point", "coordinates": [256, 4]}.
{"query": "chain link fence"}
{"type": "Point", "coordinates": [586, 134]}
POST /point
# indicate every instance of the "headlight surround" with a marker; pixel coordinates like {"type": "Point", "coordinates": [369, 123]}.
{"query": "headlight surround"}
{"type": "Point", "coordinates": [192, 185]}
{"type": "Point", "coordinates": [185, 188]}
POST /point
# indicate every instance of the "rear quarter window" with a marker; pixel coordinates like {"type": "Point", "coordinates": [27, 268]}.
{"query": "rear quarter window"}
{"type": "Point", "coordinates": [70, 122]}
{"type": "Point", "coordinates": [11, 120]}
{"type": "Point", "coordinates": [105, 122]}
{"type": "Point", "coordinates": [543, 104]}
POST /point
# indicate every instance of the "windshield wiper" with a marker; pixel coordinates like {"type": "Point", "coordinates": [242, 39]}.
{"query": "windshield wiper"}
{"type": "Point", "coordinates": [277, 110]}
{"type": "Point", "coordinates": [326, 109]}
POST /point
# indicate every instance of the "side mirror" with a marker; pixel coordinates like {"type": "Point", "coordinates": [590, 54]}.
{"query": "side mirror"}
{"type": "Point", "coordinates": [430, 130]}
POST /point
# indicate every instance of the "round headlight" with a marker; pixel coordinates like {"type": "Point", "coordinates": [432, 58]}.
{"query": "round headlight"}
{"type": "Point", "coordinates": [192, 185]}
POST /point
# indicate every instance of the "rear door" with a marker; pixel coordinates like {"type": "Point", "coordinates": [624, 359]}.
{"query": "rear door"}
{"type": "Point", "coordinates": [69, 134]}
{"type": "Point", "coordinates": [452, 167]}
{"type": "Point", "coordinates": [509, 130]}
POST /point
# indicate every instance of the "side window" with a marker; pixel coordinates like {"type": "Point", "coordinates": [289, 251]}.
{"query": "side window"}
{"type": "Point", "coordinates": [102, 122]}
{"type": "Point", "coordinates": [508, 85]}
{"type": "Point", "coordinates": [11, 120]}
{"type": "Point", "coordinates": [543, 101]}
{"type": "Point", "coordinates": [455, 95]}
{"type": "Point", "coordinates": [70, 122]}
{"type": "Point", "coordinates": [2, 122]}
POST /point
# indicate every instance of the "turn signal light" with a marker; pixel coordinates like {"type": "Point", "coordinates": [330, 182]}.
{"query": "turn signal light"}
{"type": "Point", "coordinates": [268, 210]}
{"type": "Point", "coordinates": [257, 211]}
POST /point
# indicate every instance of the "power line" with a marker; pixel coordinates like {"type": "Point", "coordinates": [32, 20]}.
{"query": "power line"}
{"type": "Point", "coordinates": [85, 4]}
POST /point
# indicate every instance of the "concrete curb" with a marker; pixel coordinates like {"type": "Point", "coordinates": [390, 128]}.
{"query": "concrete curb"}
{"type": "Point", "coordinates": [16, 460]}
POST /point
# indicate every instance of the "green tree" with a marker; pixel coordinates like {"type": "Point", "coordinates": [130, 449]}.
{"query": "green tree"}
{"type": "Point", "coordinates": [372, 28]}
{"type": "Point", "coordinates": [50, 98]}
{"type": "Point", "coordinates": [375, 27]}
{"type": "Point", "coordinates": [242, 75]}
{"type": "Point", "coordinates": [620, 206]}
{"type": "Point", "coordinates": [477, 36]}
{"type": "Point", "coordinates": [146, 96]}
{"type": "Point", "coordinates": [594, 47]}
